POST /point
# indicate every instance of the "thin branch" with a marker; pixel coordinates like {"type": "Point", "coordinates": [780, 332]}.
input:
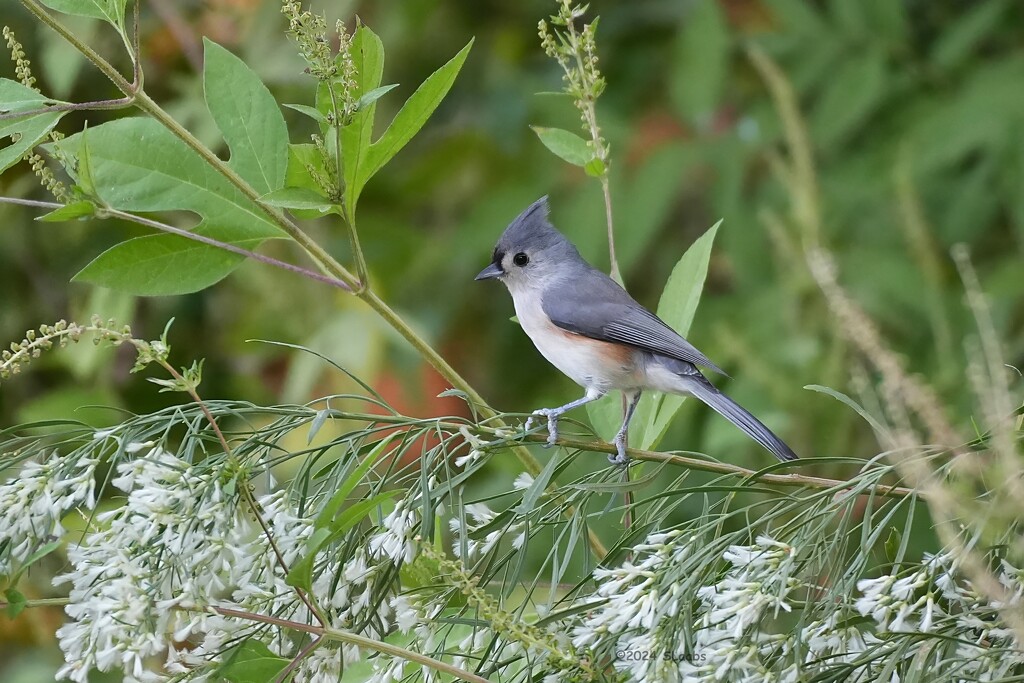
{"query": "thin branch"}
{"type": "Point", "coordinates": [294, 664]}
{"type": "Point", "coordinates": [503, 439]}
{"type": "Point", "coordinates": [188, 234]}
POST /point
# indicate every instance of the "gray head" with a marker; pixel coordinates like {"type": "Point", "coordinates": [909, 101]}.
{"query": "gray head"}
{"type": "Point", "coordinates": [531, 253]}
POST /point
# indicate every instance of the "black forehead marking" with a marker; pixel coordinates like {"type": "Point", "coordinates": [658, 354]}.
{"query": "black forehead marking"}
{"type": "Point", "coordinates": [499, 254]}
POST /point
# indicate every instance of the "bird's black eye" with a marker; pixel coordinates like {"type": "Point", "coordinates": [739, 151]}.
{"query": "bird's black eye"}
{"type": "Point", "coordinates": [520, 259]}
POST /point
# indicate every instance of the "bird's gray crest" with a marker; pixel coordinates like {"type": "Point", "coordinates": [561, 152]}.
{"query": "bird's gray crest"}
{"type": "Point", "coordinates": [531, 229]}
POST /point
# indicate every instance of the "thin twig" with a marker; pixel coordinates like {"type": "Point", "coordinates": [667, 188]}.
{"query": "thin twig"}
{"type": "Point", "coordinates": [294, 664]}
{"type": "Point", "coordinates": [504, 439]}
{"type": "Point", "coordinates": [187, 234]}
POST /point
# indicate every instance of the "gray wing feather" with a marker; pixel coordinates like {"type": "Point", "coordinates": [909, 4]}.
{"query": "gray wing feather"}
{"type": "Point", "coordinates": [595, 306]}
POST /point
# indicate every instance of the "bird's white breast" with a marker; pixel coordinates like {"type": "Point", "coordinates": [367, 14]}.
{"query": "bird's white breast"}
{"type": "Point", "coordinates": [588, 362]}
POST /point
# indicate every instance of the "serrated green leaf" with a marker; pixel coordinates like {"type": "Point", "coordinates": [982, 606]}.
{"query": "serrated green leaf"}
{"type": "Point", "coordinates": [700, 58]}
{"type": "Point", "coordinates": [413, 114]}
{"type": "Point", "coordinates": [252, 662]}
{"type": "Point", "coordinates": [565, 145]}
{"type": "Point", "coordinates": [247, 116]}
{"type": "Point", "coordinates": [30, 129]}
{"type": "Point", "coordinates": [110, 11]}
{"type": "Point", "coordinates": [138, 165]}
{"type": "Point", "coordinates": [297, 198]}
{"type": "Point", "coordinates": [68, 212]}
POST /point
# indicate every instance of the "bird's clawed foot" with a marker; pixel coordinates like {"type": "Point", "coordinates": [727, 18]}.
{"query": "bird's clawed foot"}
{"type": "Point", "coordinates": [619, 457]}
{"type": "Point", "coordinates": [552, 417]}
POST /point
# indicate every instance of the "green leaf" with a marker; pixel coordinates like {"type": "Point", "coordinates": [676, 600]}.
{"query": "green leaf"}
{"type": "Point", "coordinates": [138, 165]}
{"type": "Point", "coordinates": [851, 94]}
{"type": "Point", "coordinates": [29, 129]}
{"type": "Point", "coordinates": [297, 198]}
{"type": "Point", "coordinates": [15, 602]}
{"type": "Point", "coordinates": [595, 168]}
{"type": "Point", "coordinates": [252, 662]}
{"type": "Point", "coordinates": [368, 55]}
{"type": "Point", "coordinates": [331, 507]}
{"type": "Point", "coordinates": [166, 265]}
{"type": "Point", "coordinates": [565, 145]}
{"type": "Point", "coordinates": [538, 487]}
{"type": "Point", "coordinates": [327, 527]}
{"type": "Point", "coordinates": [700, 56]}
{"type": "Point", "coordinates": [248, 117]}
{"type": "Point", "coordinates": [677, 307]}
{"type": "Point", "coordinates": [880, 430]}
{"type": "Point", "coordinates": [374, 95]}
{"type": "Point", "coordinates": [110, 11]}
{"type": "Point", "coordinates": [963, 36]}
{"type": "Point", "coordinates": [301, 573]}
{"type": "Point", "coordinates": [413, 114]}
{"type": "Point", "coordinates": [69, 212]}
{"type": "Point", "coordinates": [311, 112]}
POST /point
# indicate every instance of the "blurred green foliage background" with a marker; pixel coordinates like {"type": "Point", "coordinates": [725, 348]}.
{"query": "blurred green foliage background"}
{"type": "Point", "coordinates": [916, 116]}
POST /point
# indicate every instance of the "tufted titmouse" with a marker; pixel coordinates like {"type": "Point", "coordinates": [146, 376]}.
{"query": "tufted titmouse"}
{"type": "Point", "coordinates": [588, 327]}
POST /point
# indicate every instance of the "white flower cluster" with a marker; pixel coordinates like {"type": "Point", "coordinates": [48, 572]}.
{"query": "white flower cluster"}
{"type": "Point", "coordinates": [33, 503]}
{"type": "Point", "coordinates": [637, 600]}
{"type": "Point", "coordinates": [174, 543]}
{"type": "Point", "coordinates": [756, 586]}
{"type": "Point", "coordinates": [937, 597]}
{"type": "Point", "coordinates": [641, 612]}
{"type": "Point", "coordinates": [148, 579]}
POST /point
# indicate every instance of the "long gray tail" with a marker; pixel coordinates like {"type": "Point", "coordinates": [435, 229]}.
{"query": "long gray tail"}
{"type": "Point", "coordinates": [735, 413]}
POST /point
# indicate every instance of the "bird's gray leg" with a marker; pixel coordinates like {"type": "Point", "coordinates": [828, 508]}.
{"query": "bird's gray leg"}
{"type": "Point", "coordinates": [552, 414]}
{"type": "Point", "coordinates": [620, 458]}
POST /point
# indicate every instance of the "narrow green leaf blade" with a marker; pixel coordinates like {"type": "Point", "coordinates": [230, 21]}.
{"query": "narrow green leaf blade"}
{"type": "Point", "coordinates": [248, 117]}
{"type": "Point", "coordinates": [413, 114]}
{"type": "Point", "coordinates": [331, 507]}
{"type": "Point", "coordinates": [565, 145]}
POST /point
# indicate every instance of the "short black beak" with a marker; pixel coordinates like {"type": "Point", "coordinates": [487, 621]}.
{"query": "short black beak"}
{"type": "Point", "coordinates": [492, 271]}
